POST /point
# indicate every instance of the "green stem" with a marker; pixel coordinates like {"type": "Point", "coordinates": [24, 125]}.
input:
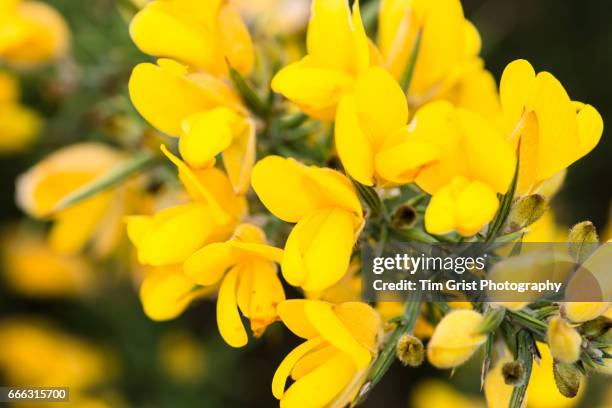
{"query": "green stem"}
{"type": "Point", "coordinates": [524, 355]}
{"type": "Point", "coordinates": [405, 325]}
{"type": "Point", "coordinates": [114, 177]}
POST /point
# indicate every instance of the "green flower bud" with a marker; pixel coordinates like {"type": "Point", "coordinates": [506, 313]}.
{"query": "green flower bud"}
{"type": "Point", "coordinates": [410, 350]}
{"type": "Point", "coordinates": [514, 373]}
{"type": "Point", "coordinates": [525, 211]}
{"type": "Point", "coordinates": [567, 378]}
{"type": "Point", "coordinates": [582, 233]}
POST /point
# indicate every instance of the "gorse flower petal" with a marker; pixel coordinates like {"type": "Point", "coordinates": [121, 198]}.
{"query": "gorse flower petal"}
{"type": "Point", "coordinates": [338, 50]}
{"type": "Point", "coordinates": [201, 34]}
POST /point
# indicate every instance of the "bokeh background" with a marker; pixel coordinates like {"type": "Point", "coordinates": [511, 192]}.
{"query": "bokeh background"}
{"type": "Point", "coordinates": [97, 337]}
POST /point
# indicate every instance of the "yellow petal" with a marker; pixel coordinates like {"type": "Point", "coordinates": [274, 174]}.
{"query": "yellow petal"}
{"type": "Point", "coordinates": [266, 293]}
{"type": "Point", "coordinates": [312, 360]}
{"type": "Point", "coordinates": [515, 88]}
{"type": "Point", "coordinates": [176, 233]}
{"type": "Point", "coordinates": [318, 250]}
{"type": "Point", "coordinates": [564, 341]}
{"type": "Point", "coordinates": [75, 226]}
{"type": "Point", "coordinates": [334, 39]}
{"type": "Point", "coordinates": [362, 321]}
{"type": "Point", "coordinates": [206, 134]}
{"type": "Point", "coordinates": [165, 293]}
{"type": "Point", "coordinates": [440, 214]}
{"type": "Point", "coordinates": [558, 137]}
{"type": "Point", "coordinates": [326, 322]}
{"type": "Point", "coordinates": [316, 90]}
{"type": "Point", "coordinates": [235, 39]}
{"type": "Point", "coordinates": [476, 205]}
{"type": "Point", "coordinates": [319, 387]}
{"type": "Point", "coordinates": [281, 186]}
{"type": "Point", "coordinates": [401, 163]}
{"type": "Point", "coordinates": [212, 186]}
{"type": "Point", "coordinates": [239, 157]}
{"type": "Point", "coordinates": [284, 369]}
{"type": "Point", "coordinates": [354, 149]}
{"type": "Point", "coordinates": [293, 315]}
{"type": "Point", "coordinates": [164, 95]}
{"type": "Point", "coordinates": [207, 265]}
{"type": "Point", "coordinates": [590, 127]}
{"type": "Point", "coordinates": [228, 317]}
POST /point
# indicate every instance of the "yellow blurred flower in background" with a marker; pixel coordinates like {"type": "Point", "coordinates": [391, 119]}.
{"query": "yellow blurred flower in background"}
{"type": "Point", "coordinates": [36, 353]}
{"type": "Point", "coordinates": [31, 33]}
{"type": "Point", "coordinates": [437, 394]}
{"type": "Point", "coordinates": [19, 125]}
{"type": "Point", "coordinates": [33, 269]}
{"type": "Point", "coordinates": [330, 366]}
{"type": "Point", "coordinates": [96, 220]}
{"type": "Point", "coordinates": [182, 356]}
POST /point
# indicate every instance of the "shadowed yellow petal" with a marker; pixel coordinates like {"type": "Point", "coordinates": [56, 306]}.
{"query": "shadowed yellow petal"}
{"type": "Point", "coordinates": [207, 265]}
{"type": "Point", "coordinates": [590, 127]}
{"type": "Point", "coordinates": [293, 315]}
{"type": "Point", "coordinates": [239, 157]}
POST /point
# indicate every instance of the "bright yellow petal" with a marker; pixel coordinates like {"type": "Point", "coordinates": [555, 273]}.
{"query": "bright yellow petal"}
{"type": "Point", "coordinates": [319, 387]}
{"type": "Point", "coordinates": [266, 293]}
{"type": "Point", "coordinates": [205, 135]}
{"type": "Point", "coordinates": [517, 82]}
{"type": "Point", "coordinates": [284, 369]}
{"type": "Point", "coordinates": [282, 188]}
{"type": "Point", "coordinates": [228, 317]}
{"type": "Point", "coordinates": [165, 293]}
{"type": "Point", "coordinates": [316, 90]}
{"type": "Point", "coordinates": [401, 163]}
{"type": "Point", "coordinates": [590, 127]}
{"type": "Point", "coordinates": [440, 213]}
{"type": "Point", "coordinates": [312, 360]}
{"type": "Point", "coordinates": [476, 205]}
{"type": "Point", "coordinates": [354, 148]}
{"type": "Point", "coordinates": [326, 322]}
{"type": "Point", "coordinates": [293, 315]}
{"type": "Point", "coordinates": [207, 265]}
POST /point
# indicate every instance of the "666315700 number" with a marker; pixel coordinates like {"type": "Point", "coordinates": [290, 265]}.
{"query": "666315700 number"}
{"type": "Point", "coordinates": [34, 394]}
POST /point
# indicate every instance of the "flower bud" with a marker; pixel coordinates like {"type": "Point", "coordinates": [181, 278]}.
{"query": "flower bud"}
{"type": "Point", "coordinates": [404, 217]}
{"type": "Point", "coordinates": [410, 350]}
{"type": "Point", "coordinates": [455, 339]}
{"type": "Point", "coordinates": [567, 378]}
{"type": "Point", "coordinates": [606, 368]}
{"type": "Point", "coordinates": [514, 373]}
{"type": "Point", "coordinates": [583, 232]}
{"type": "Point", "coordinates": [599, 329]}
{"type": "Point", "coordinates": [525, 211]}
{"type": "Point", "coordinates": [564, 340]}
{"type": "Point", "coordinates": [584, 311]}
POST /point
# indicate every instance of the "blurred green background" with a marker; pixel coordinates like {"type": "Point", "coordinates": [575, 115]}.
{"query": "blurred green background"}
{"type": "Point", "coordinates": [569, 38]}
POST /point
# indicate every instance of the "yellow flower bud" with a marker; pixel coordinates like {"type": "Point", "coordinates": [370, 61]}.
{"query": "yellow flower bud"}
{"type": "Point", "coordinates": [410, 351]}
{"type": "Point", "coordinates": [584, 311]}
{"type": "Point", "coordinates": [455, 339]}
{"type": "Point", "coordinates": [564, 341]}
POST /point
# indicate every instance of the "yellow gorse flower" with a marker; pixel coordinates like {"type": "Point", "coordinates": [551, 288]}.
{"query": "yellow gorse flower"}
{"type": "Point", "coordinates": [475, 164]}
{"type": "Point", "coordinates": [447, 65]}
{"type": "Point", "coordinates": [185, 94]}
{"type": "Point", "coordinates": [245, 267]}
{"type": "Point", "coordinates": [371, 132]}
{"type": "Point", "coordinates": [328, 214]}
{"type": "Point", "coordinates": [174, 234]}
{"type": "Point", "coordinates": [455, 339]}
{"type": "Point", "coordinates": [19, 125]}
{"type": "Point", "coordinates": [550, 131]}
{"type": "Point", "coordinates": [31, 32]}
{"type": "Point", "coordinates": [53, 179]}
{"type": "Point", "coordinates": [338, 50]}
{"type": "Point", "coordinates": [330, 366]}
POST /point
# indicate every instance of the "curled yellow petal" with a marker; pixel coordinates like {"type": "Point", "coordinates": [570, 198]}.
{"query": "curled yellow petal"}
{"type": "Point", "coordinates": [228, 318]}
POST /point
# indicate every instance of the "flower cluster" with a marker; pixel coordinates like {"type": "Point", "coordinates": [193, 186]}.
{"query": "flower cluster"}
{"type": "Point", "coordinates": [296, 161]}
